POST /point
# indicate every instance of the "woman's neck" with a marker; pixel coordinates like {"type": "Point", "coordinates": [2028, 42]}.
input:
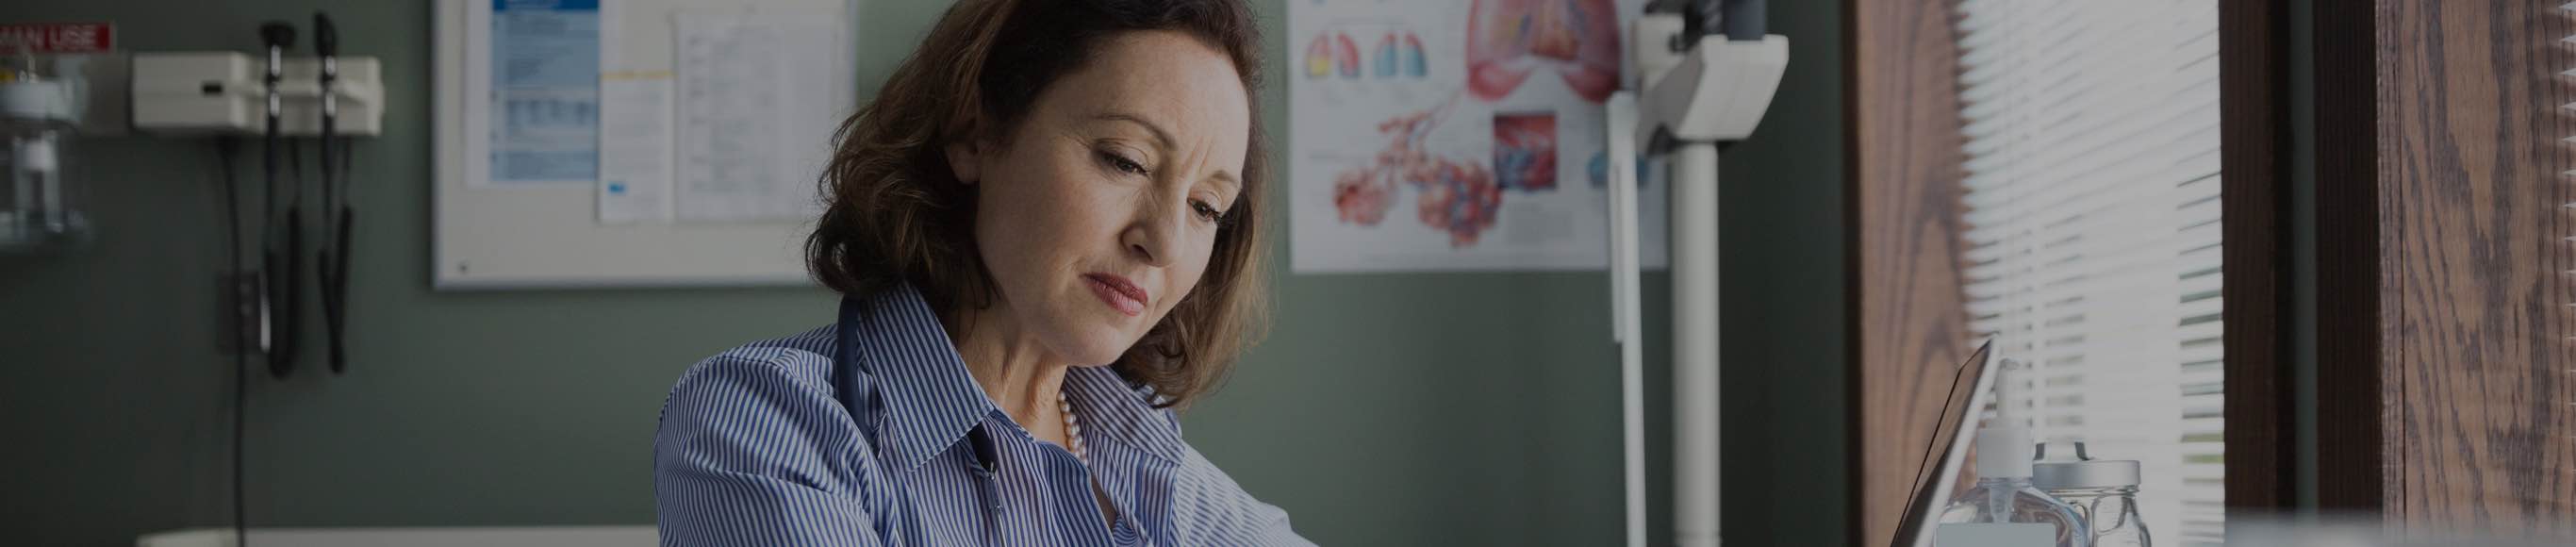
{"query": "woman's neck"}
{"type": "Point", "coordinates": [1014, 370]}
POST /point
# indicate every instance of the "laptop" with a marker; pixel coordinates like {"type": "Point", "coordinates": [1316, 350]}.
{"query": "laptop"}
{"type": "Point", "coordinates": [1971, 389]}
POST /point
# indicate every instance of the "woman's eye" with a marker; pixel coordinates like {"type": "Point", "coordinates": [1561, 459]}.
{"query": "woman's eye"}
{"type": "Point", "coordinates": [1121, 163]}
{"type": "Point", "coordinates": [1206, 212]}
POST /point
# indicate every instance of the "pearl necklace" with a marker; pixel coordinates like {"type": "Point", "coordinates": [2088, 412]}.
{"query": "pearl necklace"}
{"type": "Point", "coordinates": [1072, 428]}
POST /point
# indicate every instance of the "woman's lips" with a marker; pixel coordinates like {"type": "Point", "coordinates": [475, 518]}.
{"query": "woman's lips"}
{"type": "Point", "coordinates": [1119, 293]}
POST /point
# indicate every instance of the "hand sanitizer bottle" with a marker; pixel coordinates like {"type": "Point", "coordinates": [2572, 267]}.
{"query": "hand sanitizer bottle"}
{"type": "Point", "coordinates": [2004, 510]}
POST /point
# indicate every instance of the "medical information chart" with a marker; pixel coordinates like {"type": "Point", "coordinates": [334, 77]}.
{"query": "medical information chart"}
{"type": "Point", "coordinates": [545, 91]}
{"type": "Point", "coordinates": [634, 143]}
{"type": "Point", "coordinates": [1457, 135]}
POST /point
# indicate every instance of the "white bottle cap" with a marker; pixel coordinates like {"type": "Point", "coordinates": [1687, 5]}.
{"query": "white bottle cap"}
{"type": "Point", "coordinates": [2085, 474]}
{"type": "Point", "coordinates": [2003, 452]}
{"type": "Point", "coordinates": [35, 100]}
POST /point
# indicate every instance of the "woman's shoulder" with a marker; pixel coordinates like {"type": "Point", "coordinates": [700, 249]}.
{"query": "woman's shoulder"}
{"type": "Point", "coordinates": [805, 357]}
{"type": "Point", "coordinates": [752, 440]}
{"type": "Point", "coordinates": [1211, 509]}
{"type": "Point", "coordinates": [760, 408]}
{"type": "Point", "coordinates": [791, 373]}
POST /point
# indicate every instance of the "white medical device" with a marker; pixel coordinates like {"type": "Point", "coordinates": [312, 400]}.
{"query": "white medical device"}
{"type": "Point", "coordinates": [1697, 89]}
{"type": "Point", "coordinates": [221, 92]}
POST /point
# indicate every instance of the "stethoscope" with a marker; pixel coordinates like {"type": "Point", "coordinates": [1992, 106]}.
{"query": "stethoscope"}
{"type": "Point", "coordinates": [985, 455]}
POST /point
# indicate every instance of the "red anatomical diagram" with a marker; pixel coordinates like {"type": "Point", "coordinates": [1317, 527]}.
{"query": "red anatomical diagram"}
{"type": "Point", "coordinates": [1509, 40]}
{"type": "Point", "coordinates": [1457, 197]}
{"type": "Point", "coordinates": [1525, 151]}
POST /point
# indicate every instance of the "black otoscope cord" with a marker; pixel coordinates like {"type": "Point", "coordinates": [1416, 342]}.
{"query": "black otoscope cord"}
{"type": "Point", "coordinates": [243, 339]}
{"type": "Point", "coordinates": [281, 271]}
{"type": "Point", "coordinates": [333, 266]}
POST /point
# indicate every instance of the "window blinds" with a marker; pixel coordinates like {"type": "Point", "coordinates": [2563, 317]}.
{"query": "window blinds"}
{"type": "Point", "coordinates": [2092, 154]}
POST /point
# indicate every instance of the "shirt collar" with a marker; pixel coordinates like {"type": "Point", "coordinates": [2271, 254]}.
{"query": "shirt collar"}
{"type": "Point", "coordinates": [1123, 414]}
{"type": "Point", "coordinates": [929, 401]}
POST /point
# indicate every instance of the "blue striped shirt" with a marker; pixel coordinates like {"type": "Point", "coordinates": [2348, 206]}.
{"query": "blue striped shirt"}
{"type": "Point", "coordinates": [870, 432]}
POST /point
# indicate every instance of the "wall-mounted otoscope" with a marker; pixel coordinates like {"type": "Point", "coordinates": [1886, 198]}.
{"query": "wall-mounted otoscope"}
{"type": "Point", "coordinates": [285, 231]}
{"type": "Point", "coordinates": [333, 267]}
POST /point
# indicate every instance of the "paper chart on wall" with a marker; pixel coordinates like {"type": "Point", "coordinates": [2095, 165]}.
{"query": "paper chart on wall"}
{"type": "Point", "coordinates": [559, 128]}
{"type": "Point", "coordinates": [635, 111]}
{"type": "Point", "coordinates": [635, 148]}
{"type": "Point", "coordinates": [755, 121]}
{"type": "Point", "coordinates": [1456, 135]}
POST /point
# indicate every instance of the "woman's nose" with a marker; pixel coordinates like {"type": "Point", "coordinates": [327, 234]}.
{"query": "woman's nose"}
{"type": "Point", "coordinates": [1154, 236]}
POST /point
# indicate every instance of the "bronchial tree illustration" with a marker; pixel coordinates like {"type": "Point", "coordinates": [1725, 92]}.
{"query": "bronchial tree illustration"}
{"type": "Point", "coordinates": [1455, 196]}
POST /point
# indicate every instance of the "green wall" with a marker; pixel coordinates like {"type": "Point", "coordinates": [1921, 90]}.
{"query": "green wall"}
{"type": "Point", "coordinates": [1459, 409]}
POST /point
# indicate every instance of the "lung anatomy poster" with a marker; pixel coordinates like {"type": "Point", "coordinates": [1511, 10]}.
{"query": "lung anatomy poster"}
{"type": "Point", "coordinates": [1457, 135]}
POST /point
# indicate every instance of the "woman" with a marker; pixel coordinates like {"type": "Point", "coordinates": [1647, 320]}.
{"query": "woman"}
{"type": "Point", "coordinates": [1046, 232]}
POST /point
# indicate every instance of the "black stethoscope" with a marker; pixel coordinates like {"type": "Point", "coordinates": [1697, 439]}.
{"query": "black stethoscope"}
{"type": "Point", "coordinates": [986, 455]}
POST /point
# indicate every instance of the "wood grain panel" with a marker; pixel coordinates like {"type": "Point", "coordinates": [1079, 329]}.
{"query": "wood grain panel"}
{"type": "Point", "coordinates": [1909, 317]}
{"type": "Point", "coordinates": [2445, 391]}
{"type": "Point", "coordinates": [2470, 198]}
{"type": "Point", "coordinates": [2253, 108]}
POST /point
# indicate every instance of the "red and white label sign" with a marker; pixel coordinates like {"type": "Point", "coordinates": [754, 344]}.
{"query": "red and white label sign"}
{"type": "Point", "coordinates": [58, 38]}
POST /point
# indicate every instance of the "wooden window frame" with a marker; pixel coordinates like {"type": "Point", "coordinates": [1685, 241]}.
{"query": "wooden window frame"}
{"type": "Point", "coordinates": [1908, 312]}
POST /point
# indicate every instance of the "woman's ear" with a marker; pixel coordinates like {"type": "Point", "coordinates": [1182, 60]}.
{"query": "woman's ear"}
{"type": "Point", "coordinates": [964, 160]}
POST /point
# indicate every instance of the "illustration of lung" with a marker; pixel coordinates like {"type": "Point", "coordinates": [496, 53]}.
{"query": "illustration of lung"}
{"type": "Point", "coordinates": [1525, 151]}
{"type": "Point", "coordinates": [1383, 59]}
{"type": "Point", "coordinates": [1346, 54]}
{"type": "Point", "coordinates": [1319, 57]}
{"type": "Point", "coordinates": [1508, 40]}
{"type": "Point", "coordinates": [1413, 63]}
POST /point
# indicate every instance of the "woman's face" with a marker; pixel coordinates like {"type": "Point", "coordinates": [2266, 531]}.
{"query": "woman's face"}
{"type": "Point", "coordinates": [1098, 214]}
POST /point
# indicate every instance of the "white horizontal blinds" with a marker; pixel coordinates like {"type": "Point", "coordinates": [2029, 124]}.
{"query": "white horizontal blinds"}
{"type": "Point", "coordinates": [2092, 134]}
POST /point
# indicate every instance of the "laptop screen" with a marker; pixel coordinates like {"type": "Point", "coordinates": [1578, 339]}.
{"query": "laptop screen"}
{"type": "Point", "coordinates": [1971, 388]}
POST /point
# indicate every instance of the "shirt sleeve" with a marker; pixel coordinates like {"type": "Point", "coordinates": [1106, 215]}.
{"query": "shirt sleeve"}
{"type": "Point", "coordinates": [750, 454]}
{"type": "Point", "coordinates": [1213, 510]}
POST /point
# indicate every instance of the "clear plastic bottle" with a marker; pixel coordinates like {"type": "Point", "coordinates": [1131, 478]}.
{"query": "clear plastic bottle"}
{"type": "Point", "coordinates": [39, 209]}
{"type": "Point", "coordinates": [2105, 492]}
{"type": "Point", "coordinates": [2004, 494]}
